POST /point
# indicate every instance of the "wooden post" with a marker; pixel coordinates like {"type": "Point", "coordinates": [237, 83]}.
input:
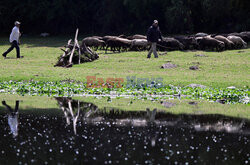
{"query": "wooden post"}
{"type": "Point", "coordinates": [73, 50]}
{"type": "Point", "coordinates": [79, 51]}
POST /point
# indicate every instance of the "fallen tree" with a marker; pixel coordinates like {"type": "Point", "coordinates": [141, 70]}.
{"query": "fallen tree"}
{"type": "Point", "coordinates": [76, 54]}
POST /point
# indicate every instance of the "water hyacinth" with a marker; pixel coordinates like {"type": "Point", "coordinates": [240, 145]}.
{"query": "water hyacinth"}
{"type": "Point", "coordinates": [144, 91]}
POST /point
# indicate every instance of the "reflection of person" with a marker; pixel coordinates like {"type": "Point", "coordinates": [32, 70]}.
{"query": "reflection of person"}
{"type": "Point", "coordinates": [151, 118]}
{"type": "Point", "coordinates": [153, 36]}
{"type": "Point", "coordinates": [151, 115]}
{"type": "Point", "coordinates": [12, 118]}
{"type": "Point", "coordinates": [14, 40]}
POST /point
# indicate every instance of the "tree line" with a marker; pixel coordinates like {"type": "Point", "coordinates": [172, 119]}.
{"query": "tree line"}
{"type": "Point", "coordinates": [125, 16]}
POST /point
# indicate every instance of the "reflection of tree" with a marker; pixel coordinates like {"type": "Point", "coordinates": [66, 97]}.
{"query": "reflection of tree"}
{"type": "Point", "coordinates": [13, 117]}
{"type": "Point", "coordinates": [155, 128]}
{"type": "Point", "coordinates": [89, 113]}
{"type": "Point", "coordinates": [73, 109]}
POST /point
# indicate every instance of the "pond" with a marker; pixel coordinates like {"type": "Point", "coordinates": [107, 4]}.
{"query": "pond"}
{"type": "Point", "coordinates": [61, 130]}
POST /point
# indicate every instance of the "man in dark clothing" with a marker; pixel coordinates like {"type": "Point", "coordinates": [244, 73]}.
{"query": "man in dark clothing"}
{"type": "Point", "coordinates": [153, 36]}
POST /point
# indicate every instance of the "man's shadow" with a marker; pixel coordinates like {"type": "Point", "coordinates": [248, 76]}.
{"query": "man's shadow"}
{"type": "Point", "coordinates": [13, 117]}
{"type": "Point", "coordinates": [10, 58]}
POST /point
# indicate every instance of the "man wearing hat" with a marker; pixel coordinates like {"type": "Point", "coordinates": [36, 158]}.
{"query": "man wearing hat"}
{"type": "Point", "coordinates": [153, 36]}
{"type": "Point", "coordinates": [14, 40]}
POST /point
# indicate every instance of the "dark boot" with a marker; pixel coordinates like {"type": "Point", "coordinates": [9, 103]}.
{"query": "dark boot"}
{"type": "Point", "coordinates": [4, 55]}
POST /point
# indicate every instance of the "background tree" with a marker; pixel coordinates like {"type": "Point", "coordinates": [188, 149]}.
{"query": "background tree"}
{"type": "Point", "coordinates": [125, 16]}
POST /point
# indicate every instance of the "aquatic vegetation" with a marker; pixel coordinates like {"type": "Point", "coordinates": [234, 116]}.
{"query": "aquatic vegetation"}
{"type": "Point", "coordinates": [223, 95]}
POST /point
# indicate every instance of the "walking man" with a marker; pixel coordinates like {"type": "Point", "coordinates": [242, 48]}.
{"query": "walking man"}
{"type": "Point", "coordinates": [14, 40]}
{"type": "Point", "coordinates": [153, 36]}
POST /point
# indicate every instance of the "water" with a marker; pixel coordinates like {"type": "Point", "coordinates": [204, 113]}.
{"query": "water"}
{"type": "Point", "coordinates": [81, 133]}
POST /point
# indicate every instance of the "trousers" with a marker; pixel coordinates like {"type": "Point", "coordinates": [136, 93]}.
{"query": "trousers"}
{"type": "Point", "coordinates": [14, 44]}
{"type": "Point", "coordinates": [153, 50]}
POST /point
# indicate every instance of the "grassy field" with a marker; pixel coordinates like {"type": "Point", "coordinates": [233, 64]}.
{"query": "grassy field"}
{"type": "Point", "coordinates": [41, 104]}
{"type": "Point", "coordinates": [218, 69]}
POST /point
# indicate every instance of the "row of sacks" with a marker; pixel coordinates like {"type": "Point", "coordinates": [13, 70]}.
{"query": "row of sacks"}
{"type": "Point", "coordinates": [199, 41]}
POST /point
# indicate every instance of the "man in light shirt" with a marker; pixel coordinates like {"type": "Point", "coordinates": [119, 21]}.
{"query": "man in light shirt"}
{"type": "Point", "coordinates": [14, 40]}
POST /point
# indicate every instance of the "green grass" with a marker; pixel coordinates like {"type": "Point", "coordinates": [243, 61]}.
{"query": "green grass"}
{"type": "Point", "coordinates": [219, 69]}
{"type": "Point", "coordinates": [49, 105]}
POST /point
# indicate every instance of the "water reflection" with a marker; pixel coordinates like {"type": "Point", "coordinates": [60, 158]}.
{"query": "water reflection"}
{"type": "Point", "coordinates": [12, 117]}
{"type": "Point", "coordinates": [75, 110]}
{"type": "Point", "coordinates": [112, 136]}
{"type": "Point", "coordinates": [72, 108]}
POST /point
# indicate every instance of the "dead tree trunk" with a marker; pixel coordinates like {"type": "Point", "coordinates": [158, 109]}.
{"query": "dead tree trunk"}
{"type": "Point", "coordinates": [76, 54]}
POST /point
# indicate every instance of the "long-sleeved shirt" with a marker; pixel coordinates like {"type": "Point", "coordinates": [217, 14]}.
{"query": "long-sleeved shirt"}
{"type": "Point", "coordinates": [15, 34]}
{"type": "Point", "coordinates": [154, 34]}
